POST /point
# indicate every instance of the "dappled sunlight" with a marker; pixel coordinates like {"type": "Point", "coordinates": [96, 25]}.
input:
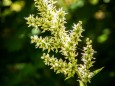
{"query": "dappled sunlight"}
{"type": "Point", "coordinates": [17, 6]}
{"type": "Point", "coordinates": [94, 2]}
{"type": "Point", "coordinates": [99, 15]}
{"type": "Point", "coordinates": [11, 7]}
{"type": "Point", "coordinates": [6, 2]}
{"type": "Point", "coordinates": [104, 36]}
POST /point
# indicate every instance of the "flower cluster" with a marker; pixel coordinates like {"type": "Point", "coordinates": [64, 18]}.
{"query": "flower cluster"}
{"type": "Point", "coordinates": [87, 58]}
{"type": "Point", "coordinates": [65, 42]}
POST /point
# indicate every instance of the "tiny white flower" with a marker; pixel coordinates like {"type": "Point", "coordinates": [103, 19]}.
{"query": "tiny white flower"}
{"type": "Point", "coordinates": [35, 37]}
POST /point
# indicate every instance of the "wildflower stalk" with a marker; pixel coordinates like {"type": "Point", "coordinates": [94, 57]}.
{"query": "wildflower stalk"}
{"type": "Point", "coordinates": [62, 41]}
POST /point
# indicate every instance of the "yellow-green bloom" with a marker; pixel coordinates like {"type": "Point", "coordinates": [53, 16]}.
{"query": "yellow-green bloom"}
{"type": "Point", "coordinates": [65, 42]}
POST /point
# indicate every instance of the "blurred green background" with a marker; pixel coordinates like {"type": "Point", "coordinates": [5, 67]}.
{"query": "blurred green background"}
{"type": "Point", "coordinates": [20, 62]}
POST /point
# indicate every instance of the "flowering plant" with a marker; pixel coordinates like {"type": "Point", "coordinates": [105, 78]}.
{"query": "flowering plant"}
{"type": "Point", "coordinates": [62, 41]}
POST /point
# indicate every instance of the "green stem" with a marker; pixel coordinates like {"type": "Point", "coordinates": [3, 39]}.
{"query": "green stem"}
{"type": "Point", "coordinates": [82, 83]}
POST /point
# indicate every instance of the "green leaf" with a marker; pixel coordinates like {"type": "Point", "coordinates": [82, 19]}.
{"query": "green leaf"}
{"type": "Point", "coordinates": [97, 71]}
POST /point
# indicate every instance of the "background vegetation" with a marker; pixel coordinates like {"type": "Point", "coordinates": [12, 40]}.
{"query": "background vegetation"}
{"type": "Point", "coordinates": [20, 62]}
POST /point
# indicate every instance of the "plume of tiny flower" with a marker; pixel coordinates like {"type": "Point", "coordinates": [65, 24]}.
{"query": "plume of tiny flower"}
{"type": "Point", "coordinates": [65, 42]}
